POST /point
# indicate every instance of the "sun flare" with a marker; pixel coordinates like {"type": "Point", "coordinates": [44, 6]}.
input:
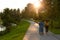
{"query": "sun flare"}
{"type": "Point", "coordinates": [18, 4]}
{"type": "Point", "coordinates": [36, 4]}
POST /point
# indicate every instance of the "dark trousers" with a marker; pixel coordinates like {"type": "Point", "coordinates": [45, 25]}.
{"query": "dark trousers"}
{"type": "Point", "coordinates": [46, 28]}
{"type": "Point", "coordinates": [40, 29]}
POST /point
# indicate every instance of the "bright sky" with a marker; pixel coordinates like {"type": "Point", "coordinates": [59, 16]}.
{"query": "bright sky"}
{"type": "Point", "coordinates": [17, 3]}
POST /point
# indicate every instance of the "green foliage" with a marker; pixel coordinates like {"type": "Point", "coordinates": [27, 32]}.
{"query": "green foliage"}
{"type": "Point", "coordinates": [3, 32]}
{"type": "Point", "coordinates": [10, 16]}
{"type": "Point", "coordinates": [29, 11]}
{"type": "Point", "coordinates": [16, 33]}
{"type": "Point", "coordinates": [6, 17]}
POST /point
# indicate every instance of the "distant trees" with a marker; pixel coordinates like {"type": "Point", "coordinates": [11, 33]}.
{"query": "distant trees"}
{"type": "Point", "coordinates": [50, 9]}
{"type": "Point", "coordinates": [9, 16]}
{"type": "Point", "coordinates": [29, 11]}
{"type": "Point", "coordinates": [54, 11]}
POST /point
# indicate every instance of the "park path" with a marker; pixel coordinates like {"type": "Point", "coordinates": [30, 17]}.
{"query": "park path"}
{"type": "Point", "coordinates": [33, 34]}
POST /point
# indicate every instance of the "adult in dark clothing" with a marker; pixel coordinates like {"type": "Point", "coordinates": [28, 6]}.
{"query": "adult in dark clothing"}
{"type": "Point", "coordinates": [41, 25]}
{"type": "Point", "coordinates": [46, 26]}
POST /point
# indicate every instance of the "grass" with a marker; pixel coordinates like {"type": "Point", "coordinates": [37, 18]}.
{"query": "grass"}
{"type": "Point", "coordinates": [16, 33]}
{"type": "Point", "coordinates": [55, 31]}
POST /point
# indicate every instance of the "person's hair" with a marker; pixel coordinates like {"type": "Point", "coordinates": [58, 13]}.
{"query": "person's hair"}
{"type": "Point", "coordinates": [47, 20]}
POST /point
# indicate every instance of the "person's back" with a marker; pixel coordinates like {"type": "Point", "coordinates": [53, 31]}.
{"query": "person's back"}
{"type": "Point", "coordinates": [46, 23]}
{"type": "Point", "coordinates": [41, 25]}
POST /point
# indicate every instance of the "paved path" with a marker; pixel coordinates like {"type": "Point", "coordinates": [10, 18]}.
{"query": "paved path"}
{"type": "Point", "coordinates": [33, 34]}
{"type": "Point", "coordinates": [57, 36]}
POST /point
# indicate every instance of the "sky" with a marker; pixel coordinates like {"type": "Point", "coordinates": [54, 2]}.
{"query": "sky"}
{"type": "Point", "coordinates": [17, 4]}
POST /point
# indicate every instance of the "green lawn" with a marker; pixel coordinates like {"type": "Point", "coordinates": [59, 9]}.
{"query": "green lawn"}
{"type": "Point", "coordinates": [54, 28]}
{"type": "Point", "coordinates": [55, 31]}
{"type": "Point", "coordinates": [16, 33]}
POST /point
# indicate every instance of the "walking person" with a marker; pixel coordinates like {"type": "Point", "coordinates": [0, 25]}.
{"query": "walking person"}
{"type": "Point", "coordinates": [46, 26]}
{"type": "Point", "coordinates": [41, 25]}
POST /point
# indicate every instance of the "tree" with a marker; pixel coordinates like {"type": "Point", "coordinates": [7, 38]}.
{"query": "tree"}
{"type": "Point", "coordinates": [29, 11]}
{"type": "Point", "coordinates": [10, 16]}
